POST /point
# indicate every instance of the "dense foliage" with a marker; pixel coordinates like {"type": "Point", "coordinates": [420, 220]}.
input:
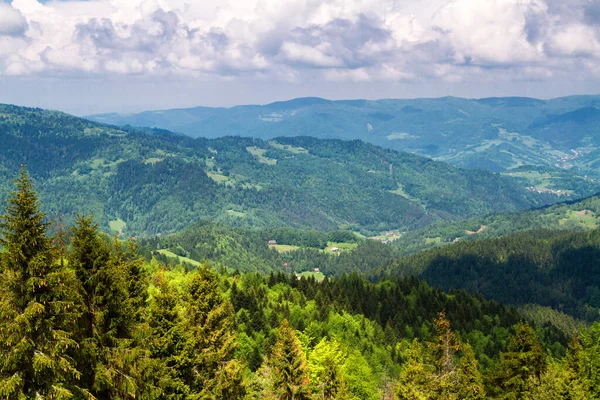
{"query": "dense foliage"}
{"type": "Point", "coordinates": [143, 183]}
{"type": "Point", "coordinates": [559, 269]}
{"type": "Point", "coordinates": [572, 215]}
{"type": "Point", "coordinates": [87, 318]}
{"type": "Point", "coordinates": [248, 250]}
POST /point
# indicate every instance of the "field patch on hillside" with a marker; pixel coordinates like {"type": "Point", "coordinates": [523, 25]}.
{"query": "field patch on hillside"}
{"type": "Point", "coordinates": [181, 259]}
{"type": "Point", "coordinates": [260, 155]}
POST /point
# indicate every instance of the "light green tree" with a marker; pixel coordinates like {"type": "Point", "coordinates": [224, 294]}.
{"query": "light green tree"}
{"type": "Point", "coordinates": [288, 366]}
{"type": "Point", "coordinates": [324, 365]}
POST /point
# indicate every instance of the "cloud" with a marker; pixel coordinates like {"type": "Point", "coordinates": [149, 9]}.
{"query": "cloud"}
{"type": "Point", "coordinates": [298, 40]}
{"type": "Point", "coordinates": [12, 22]}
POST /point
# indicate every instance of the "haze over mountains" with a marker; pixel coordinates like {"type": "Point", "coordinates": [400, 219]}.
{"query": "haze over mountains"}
{"type": "Point", "coordinates": [497, 134]}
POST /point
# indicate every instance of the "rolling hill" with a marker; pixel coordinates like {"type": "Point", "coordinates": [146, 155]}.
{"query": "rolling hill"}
{"type": "Point", "coordinates": [497, 134]}
{"type": "Point", "coordinates": [149, 182]}
{"type": "Point", "coordinates": [574, 215]}
{"type": "Point", "coordinates": [557, 269]}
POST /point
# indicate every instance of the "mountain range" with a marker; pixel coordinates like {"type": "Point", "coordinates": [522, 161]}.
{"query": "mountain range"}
{"type": "Point", "coordinates": [497, 134]}
{"type": "Point", "coordinates": [147, 182]}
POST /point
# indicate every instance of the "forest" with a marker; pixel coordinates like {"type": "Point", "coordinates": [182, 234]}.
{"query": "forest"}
{"type": "Point", "coordinates": [570, 215]}
{"type": "Point", "coordinates": [558, 269]}
{"type": "Point", "coordinates": [85, 316]}
{"type": "Point", "coordinates": [149, 182]}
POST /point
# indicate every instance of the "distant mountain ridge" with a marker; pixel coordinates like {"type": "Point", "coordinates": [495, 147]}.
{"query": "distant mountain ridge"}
{"type": "Point", "coordinates": [149, 182]}
{"type": "Point", "coordinates": [498, 134]}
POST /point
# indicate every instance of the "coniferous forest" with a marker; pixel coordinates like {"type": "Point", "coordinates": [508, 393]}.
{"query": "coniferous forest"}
{"type": "Point", "coordinates": [87, 316]}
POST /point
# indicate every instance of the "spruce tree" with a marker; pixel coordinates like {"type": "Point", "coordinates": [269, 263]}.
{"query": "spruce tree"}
{"type": "Point", "coordinates": [443, 351]}
{"type": "Point", "coordinates": [417, 377]}
{"type": "Point", "coordinates": [109, 321]}
{"type": "Point", "coordinates": [206, 363]}
{"type": "Point", "coordinates": [522, 364]}
{"type": "Point", "coordinates": [37, 305]}
{"type": "Point", "coordinates": [470, 382]}
{"type": "Point", "coordinates": [288, 366]}
{"type": "Point", "coordinates": [167, 339]}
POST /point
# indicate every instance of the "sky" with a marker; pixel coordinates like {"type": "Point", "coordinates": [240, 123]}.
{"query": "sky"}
{"type": "Point", "coordinates": [97, 56]}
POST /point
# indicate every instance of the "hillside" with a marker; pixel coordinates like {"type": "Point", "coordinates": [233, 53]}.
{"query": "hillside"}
{"type": "Point", "coordinates": [333, 253]}
{"type": "Point", "coordinates": [497, 134]}
{"type": "Point", "coordinates": [142, 183]}
{"type": "Point", "coordinates": [124, 328]}
{"type": "Point", "coordinates": [575, 215]}
{"type": "Point", "coordinates": [558, 269]}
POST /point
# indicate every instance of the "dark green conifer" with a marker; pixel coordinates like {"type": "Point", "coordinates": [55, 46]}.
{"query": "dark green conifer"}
{"type": "Point", "coordinates": [206, 363]}
{"type": "Point", "coordinates": [37, 305]}
{"type": "Point", "coordinates": [110, 320]}
{"type": "Point", "coordinates": [522, 364]}
{"type": "Point", "coordinates": [167, 339]}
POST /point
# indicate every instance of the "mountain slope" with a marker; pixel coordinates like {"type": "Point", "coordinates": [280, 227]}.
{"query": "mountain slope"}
{"type": "Point", "coordinates": [146, 183]}
{"type": "Point", "coordinates": [497, 134]}
{"type": "Point", "coordinates": [558, 269]}
{"type": "Point", "coordinates": [575, 215]}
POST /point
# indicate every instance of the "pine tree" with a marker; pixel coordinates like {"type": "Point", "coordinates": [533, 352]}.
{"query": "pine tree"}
{"type": "Point", "coordinates": [166, 340]}
{"type": "Point", "coordinates": [36, 303]}
{"type": "Point", "coordinates": [110, 319]}
{"type": "Point", "coordinates": [288, 366]}
{"type": "Point", "coordinates": [470, 382]}
{"type": "Point", "coordinates": [522, 364]}
{"type": "Point", "coordinates": [206, 363]}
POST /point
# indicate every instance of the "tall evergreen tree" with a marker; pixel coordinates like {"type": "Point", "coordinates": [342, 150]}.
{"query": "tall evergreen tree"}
{"type": "Point", "coordinates": [443, 352]}
{"type": "Point", "coordinates": [417, 376]}
{"type": "Point", "coordinates": [37, 305]}
{"type": "Point", "coordinates": [470, 382]}
{"type": "Point", "coordinates": [522, 364]}
{"type": "Point", "coordinates": [167, 339]}
{"type": "Point", "coordinates": [288, 366]}
{"type": "Point", "coordinates": [206, 362]}
{"type": "Point", "coordinates": [109, 354]}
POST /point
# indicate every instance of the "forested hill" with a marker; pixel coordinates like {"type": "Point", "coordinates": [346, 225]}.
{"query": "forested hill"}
{"type": "Point", "coordinates": [573, 215]}
{"type": "Point", "coordinates": [559, 269]}
{"type": "Point", "coordinates": [83, 317]}
{"type": "Point", "coordinates": [497, 134]}
{"type": "Point", "coordinates": [149, 182]}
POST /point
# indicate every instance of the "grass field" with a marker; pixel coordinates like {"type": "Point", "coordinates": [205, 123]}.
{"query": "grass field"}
{"type": "Point", "coordinates": [584, 218]}
{"type": "Point", "coordinates": [341, 246]}
{"type": "Point", "coordinates": [287, 147]}
{"type": "Point", "coordinates": [284, 248]}
{"type": "Point", "coordinates": [236, 213]}
{"type": "Point", "coordinates": [117, 225]}
{"type": "Point", "coordinates": [319, 276]}
{"type": "Point", "coordinates": [260, 155]}
{"type": "Point", "coordinates": [220, 178]}
{"type": "Point", "coordinates": [153, 160]}
{"type": "Point", "coordinates": [181, 259]}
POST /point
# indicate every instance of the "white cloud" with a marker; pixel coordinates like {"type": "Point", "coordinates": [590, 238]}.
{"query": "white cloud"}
{"type": "Point", "coordinates": [12, 23]}
{"type": "Point", "coordinates": [294, 40]}
{"type": "Point", "coordinates": [576, 40]}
